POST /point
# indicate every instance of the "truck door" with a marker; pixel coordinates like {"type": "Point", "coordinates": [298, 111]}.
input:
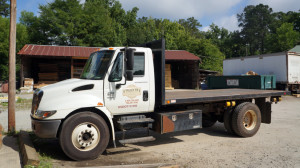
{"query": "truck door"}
{"type": "Point", "coordinates": [123, 96]}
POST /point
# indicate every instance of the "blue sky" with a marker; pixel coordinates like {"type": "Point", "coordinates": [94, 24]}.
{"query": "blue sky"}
{"type": "Point", "coordinates": [221, 12]}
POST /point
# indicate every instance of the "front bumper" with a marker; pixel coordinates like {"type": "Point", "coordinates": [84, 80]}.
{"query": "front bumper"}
{"type": "Point", "coordinates": [45, 128]}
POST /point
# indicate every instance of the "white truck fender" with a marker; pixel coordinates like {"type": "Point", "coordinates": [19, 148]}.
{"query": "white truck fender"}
{"type": "Point", "coordinates": [110, 117]}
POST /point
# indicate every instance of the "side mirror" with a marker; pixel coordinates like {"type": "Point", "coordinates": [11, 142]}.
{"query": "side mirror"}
{"type": "Point", "coordinates": [129, 75]}
{"type": "Point", "coordinates": [129, 58]}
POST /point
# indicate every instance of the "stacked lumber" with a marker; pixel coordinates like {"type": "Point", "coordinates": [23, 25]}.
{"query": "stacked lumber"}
{"type": "Point", "coordinates": [168, 77]}
{"type": "Point", "coordinates": [48, 72]}
{"type": "Point", "coordinates": [48, 76]}
{"type": "Point", "coordinates": [77, 72]}
{"type": "Point", "coordinates": [78, 68]}
{"type": "Point", "coordinates": [28, 86]}
{"type": "Point", "coordinates": [42, 84]}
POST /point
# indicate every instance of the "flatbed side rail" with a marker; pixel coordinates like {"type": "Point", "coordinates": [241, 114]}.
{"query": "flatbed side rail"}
{"type": "Point", "coordinates": [191, 97]}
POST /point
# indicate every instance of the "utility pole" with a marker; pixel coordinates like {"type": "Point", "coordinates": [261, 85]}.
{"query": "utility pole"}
{"type": "Point", "coordinates": [12, 67]}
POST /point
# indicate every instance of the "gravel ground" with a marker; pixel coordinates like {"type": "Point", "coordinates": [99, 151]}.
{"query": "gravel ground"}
{"type": "Point", "coordinates": [275, 145]}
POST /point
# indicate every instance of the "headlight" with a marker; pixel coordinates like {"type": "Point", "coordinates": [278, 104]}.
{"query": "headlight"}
{"type": "Point", "coordinates": [37, 97]}
{"type": "Point", "coordinates": [43, 114]}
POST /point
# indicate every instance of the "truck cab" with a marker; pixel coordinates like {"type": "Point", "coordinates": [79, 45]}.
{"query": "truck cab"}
{"type": "Point", "coordinates": [115, 81]}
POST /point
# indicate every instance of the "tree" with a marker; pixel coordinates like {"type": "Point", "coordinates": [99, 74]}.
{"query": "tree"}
{"type": "Point", "coordinates": [255, 22]}
{"type": "Point", "coordinates": [191, 25]}
{"type": "Point", "coordinates": [22, 39]}
{"type": "Point", "coordinates": [287, 37]}
{"type": "Point", "coordinates": [4, 8]}
{"type": "Point", "coordinates": [61, 22]}
{"type": "Point", "coordinates": [33, 25]}
{"type": "Point", "coordinates": [211, 56]}
{"type": "Point", "coordinates": [220, 37]}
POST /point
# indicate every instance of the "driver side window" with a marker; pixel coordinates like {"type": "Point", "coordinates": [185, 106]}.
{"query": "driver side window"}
{"type": "Point", "coordinates": [117, 70]}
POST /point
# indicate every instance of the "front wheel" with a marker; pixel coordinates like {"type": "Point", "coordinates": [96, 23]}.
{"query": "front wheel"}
{"type": "Point", "coordinates": [246, 119]}
{"type": "Point", "coordinates": [84, 136]}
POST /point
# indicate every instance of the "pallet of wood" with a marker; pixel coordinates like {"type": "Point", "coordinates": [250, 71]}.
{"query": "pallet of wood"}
{"type": "Point", "coordinates": [168, 77]}
{"type": "Point", "coordinates": [39, 85]}
{"type": "Point", "coordinates": [48, 76]}
{"type": "Point", "coordinates": [296, 95]}
{"type": "Point", "coordinates": [28, 86]}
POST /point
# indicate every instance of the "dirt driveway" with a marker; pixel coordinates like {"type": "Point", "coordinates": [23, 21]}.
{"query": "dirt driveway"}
{"type": "Point", "coordinates": [275, 145]}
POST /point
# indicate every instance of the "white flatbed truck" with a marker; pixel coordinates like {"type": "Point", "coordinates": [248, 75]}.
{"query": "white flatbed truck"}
{"type": "Point", "coordinates": [122, 88]}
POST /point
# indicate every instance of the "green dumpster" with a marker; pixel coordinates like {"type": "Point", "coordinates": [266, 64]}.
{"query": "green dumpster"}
{"type": "Point", "coordinates": [245, 82]}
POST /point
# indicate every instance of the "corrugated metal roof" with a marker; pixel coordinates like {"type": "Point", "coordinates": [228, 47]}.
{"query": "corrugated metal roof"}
{"type": "Point", "coordinates": [76, 51]}
{"type": "Point", "coordinates": [180, 55]}
{"type": "Point", "coordinates": [64, 51]}
{"type": "Point", "coordinates": [296, 49]}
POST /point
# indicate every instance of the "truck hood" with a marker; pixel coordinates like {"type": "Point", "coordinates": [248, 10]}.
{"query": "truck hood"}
{"type": "Point", "coordinates": [72, 94]}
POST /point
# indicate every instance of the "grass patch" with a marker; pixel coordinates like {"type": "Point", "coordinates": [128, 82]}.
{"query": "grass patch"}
{"type": "Point", "coordinates": [45, 160]}
{"type": "Point", "coordinates": [21, 104]}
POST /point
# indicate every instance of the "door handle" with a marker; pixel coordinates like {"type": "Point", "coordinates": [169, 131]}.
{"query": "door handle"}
{"type": "Point", "coordinates": [145, 95]}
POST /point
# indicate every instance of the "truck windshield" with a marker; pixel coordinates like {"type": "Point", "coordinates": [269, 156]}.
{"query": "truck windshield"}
{"type": "Point", "coordinates": [96, 66]}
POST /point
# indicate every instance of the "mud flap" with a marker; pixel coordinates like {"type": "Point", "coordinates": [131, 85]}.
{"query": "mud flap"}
{"type": "Point", "coordinates": [265, 109]}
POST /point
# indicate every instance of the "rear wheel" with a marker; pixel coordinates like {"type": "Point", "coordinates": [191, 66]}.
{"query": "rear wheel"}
{"type": "Point", "coordinates": [84, 136]}
{"type": "Point", "coordinates": [246, 119]}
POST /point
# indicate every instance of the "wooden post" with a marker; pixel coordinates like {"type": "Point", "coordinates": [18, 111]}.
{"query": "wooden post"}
{"type": "Point", "coordinates": [72, 67]}
{"type": "Point", "coordinates": [12, 68]}
{"type": "Point", "coordinates": [22, 73]}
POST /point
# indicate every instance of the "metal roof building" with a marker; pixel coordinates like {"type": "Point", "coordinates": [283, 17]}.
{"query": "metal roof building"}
{"type": "Point", "coordinates": [49, 64]}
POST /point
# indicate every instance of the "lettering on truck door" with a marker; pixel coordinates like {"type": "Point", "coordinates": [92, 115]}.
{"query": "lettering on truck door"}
{"type": "Point", "coordinates": [129, 98]}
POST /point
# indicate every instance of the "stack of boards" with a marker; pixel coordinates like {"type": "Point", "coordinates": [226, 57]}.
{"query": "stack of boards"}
{"type": "Point", "coordinates": [168, 77]}
{"type": "Point", "coordinates": [28, 86]}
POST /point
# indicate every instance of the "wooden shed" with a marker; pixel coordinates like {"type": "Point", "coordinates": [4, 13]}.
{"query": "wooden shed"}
{"type": "Point", "coordinates": [49, 64]}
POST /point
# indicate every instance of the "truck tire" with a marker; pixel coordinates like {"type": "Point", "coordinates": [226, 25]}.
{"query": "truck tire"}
{"type": "Point", "coordinates": [208, 121]}
{"type": "Point", "coordinates": [227, 121]}
{"type": "Point", "coordinates": [246, 119]}
{"type": "Point", "coordinates": [84, 136]}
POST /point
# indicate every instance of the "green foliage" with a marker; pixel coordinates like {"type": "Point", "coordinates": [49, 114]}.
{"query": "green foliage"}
{"type": "Point", "coordinates": [104, 23]}
{"type": "Point", "coordinates": [211, 56]}
{"type": "Point", "coordinates": [4, 47]}
{"type": "Point", "coordinates": [4, 8]}
{"type": "Point", "coordinates": [255, 22]}
{"type": "Point", "coordinates": [21, 40]}
{"type": "Point", "coordinates": [287, 38]}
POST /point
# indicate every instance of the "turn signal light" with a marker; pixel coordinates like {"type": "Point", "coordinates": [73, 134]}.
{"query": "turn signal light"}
{"type": "Point", "coordinates": [233, 103]}
{"type": "Point", "coordinates": [228, 104]}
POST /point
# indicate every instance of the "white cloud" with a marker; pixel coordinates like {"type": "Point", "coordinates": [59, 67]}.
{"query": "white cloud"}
{"type": "Point", "coordinates": [177, 9]}
{"type": "Point", "coordinates": [279, 5]}
{"type": "Point", "coordinates": [228, 22]}
{"type": "Point", "coordinates": [205, 28]}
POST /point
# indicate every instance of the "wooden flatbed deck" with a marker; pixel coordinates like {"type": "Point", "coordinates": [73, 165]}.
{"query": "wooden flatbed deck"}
{"type": "Point", "coordinates": [181, 96]}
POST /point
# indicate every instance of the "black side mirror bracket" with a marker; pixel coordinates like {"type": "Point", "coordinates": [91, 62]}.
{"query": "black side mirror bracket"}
{"type": "Point", "coordinates": [129, 55]}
